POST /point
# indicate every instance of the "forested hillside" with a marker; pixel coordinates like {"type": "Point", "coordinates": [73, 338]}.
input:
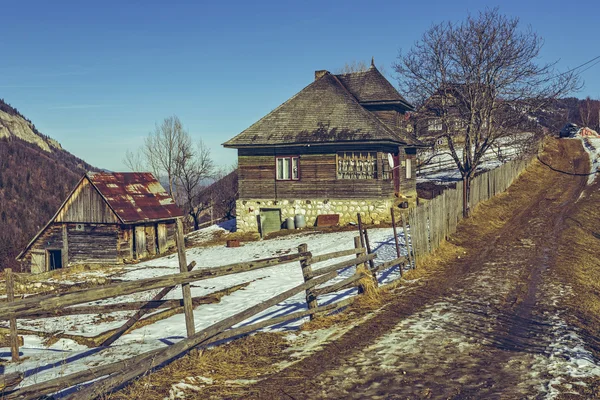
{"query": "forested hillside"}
{"type": "Point", "coordinates": [35, 176]}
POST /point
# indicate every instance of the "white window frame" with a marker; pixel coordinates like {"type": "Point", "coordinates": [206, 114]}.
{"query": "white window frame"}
{"type": "Point", "coordinates": [289, 170]}
{"type": "Point", "coordinates": [435, 125]}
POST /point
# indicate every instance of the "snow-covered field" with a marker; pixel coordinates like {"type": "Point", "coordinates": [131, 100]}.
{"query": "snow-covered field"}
{"type": "Point", "coordinates": [64, 357]}
{"type": "Point", "coordinates": [592, 146]}
{"type": "Point", "coordinates": [442, 168]}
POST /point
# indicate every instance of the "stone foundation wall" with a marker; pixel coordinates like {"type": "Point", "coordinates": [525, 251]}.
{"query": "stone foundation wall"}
{"type": "Point", "coordinates": [373, 211]}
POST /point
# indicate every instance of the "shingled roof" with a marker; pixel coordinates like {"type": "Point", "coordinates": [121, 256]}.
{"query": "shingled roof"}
{"type": "Point", "coordinates": [326, 111]}
{"type": "Point", "coordinates": [370, 86]}
{"type": "Point", "coordinates": [135, 196]}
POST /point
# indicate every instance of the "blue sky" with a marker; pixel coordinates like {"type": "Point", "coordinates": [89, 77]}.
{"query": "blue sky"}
{"type": "Point", "coordinates": [97, 76]}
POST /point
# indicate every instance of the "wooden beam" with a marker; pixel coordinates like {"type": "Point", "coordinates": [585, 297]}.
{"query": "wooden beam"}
{"type": "Point", "coordinates": [188, 309]}
{"type": "Point", "coordinates": [388, 264]}
{"type": "Point", "coordinates": [54, 385]}
{"type": "Point", "coordinates": [343, 284]}
{"type": "Point", "coordinates": [357, 244]}
{"type": "Point", "coordinates": [395, 233]}
{"type": "Point", "coordinates": [141, 312]}
{"type": "Point", "coordinates": [344, 264]}
{"type": "Point", "coordinates": [8, 381]}
{"type": "Point", "coordinates": [10, 297]}
{"type": "Point", "coordinates": [154, 359]}
{"type": "Point", "coordinates": [36, 304]}
{"type": "Point", "coordinates": [407, 243]}
{"type": "Point", "coordinates": [336, 254]}
{"type": "Point", "coordinates": [307, 274]}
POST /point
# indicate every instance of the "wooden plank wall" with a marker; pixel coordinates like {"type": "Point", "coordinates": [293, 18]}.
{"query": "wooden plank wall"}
{"type": "Point", "coordinates": [94, 244]}
{"type": "Point", "coordinates": [86, 205]}
{"type": "Point", "coordinates": [318, 179]}
{"type": "Point", "coordinates": [431, 223]}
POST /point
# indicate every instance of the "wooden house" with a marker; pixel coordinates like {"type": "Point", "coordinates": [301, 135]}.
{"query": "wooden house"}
{"type": "Point", "coordinates": [325, 151]}
{"type": "Point", "coordinates": [107, 218]}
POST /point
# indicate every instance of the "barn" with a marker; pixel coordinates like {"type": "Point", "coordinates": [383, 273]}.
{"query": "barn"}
{"type": "Point", "coordinates": [326, 151]}
{"type": "Point", "coordinates": [108, 218]}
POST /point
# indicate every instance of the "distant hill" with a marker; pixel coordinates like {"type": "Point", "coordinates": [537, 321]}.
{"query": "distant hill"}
{"type": "Point", "coordinates": [36, 175]}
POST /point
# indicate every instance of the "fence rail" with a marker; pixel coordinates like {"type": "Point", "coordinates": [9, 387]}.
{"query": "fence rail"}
{"type": "Point", "coordinates": [115, 374]}
{"type": "Point", "coordinates": [424, 229]}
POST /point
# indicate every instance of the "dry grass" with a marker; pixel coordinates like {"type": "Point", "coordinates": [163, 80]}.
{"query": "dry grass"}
{"type": "Point", "coordinates": [251, 357]}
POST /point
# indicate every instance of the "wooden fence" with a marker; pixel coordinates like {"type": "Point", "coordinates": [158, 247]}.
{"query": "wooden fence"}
{"type": "Point", "coordinates": [429, 224]}
{"type": "Point", "coordinates": [115, 374]}
{"type": "Point", "coordinates": [432, 222]}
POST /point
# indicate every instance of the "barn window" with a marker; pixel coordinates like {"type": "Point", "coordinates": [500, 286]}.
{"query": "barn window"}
{"type": "Point", "coordinates": [288, 168]}
{"type": "Point", "coordinates": [357, 165]}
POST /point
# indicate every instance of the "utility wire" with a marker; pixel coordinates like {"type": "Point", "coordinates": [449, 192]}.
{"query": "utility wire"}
{"type": "Point", "coordinates": [579, 66]}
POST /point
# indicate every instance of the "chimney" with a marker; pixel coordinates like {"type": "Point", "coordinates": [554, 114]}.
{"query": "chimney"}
{"type": "Point", "coordinates": [321, 73]}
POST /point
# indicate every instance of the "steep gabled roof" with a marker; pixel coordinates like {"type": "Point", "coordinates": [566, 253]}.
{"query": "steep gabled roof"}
{"type": "Point", "coordinates": [135, 196]}
{"type": "Point", "coordinates": [371, 86]}
{"type": "Point", "coordinates": [323, 112]}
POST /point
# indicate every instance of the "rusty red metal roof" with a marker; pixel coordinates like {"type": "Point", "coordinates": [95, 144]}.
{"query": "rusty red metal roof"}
{"type": "Point", "coordinates": [135, 196]}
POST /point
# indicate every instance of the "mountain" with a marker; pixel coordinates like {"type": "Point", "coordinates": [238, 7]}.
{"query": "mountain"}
{"type": "Point", "coordinates": [36, 174]}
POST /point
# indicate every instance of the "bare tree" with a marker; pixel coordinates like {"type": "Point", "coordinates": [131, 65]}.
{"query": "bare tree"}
{"type": "Point", "coordinates": [483, 76]}
{"type": "Point", "coordinates": [161, 149]}
{"type": "Point", "coordinates": [589, 112]}
{"type": "Point", "coordinates": [135, 161]}
{"type": "Point", "coordinates": [359, 66]}
{"type": "Point", "coordinates": [194, 167]}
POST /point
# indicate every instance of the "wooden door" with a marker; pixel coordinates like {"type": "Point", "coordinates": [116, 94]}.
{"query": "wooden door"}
{"type": "Point", "coordinates": [161, 231]}
{"type": "Point", "coordinates": [38, 262]}
{"type": "Point", "coordinates": [140, 242]}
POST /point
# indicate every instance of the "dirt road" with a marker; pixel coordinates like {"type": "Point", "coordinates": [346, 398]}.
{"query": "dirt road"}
{"type": "Point", "coordinates": [491, 324]}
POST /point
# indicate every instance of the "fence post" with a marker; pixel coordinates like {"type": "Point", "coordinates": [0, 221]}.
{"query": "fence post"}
{"type": "Point", "coordinates": [307, 274]}
{"type": "Point", "coordinates": [395, 234]}
{"type": "Point", "coordinates": [408, 243]}
{"type": "Point", "coordinates": [10, 297]}
{"type": "Point", "coordinates": [188, 308]}
{"type": "Point", "coordinates": [360, 231]}
{"type": "Point", "coordinates": [371, 262]}
{"type": "Point", "coordinates": [357, 245]}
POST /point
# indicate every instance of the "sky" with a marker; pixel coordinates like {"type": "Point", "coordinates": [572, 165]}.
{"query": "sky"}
{"type": "Point", "coordinates": [97, 76]}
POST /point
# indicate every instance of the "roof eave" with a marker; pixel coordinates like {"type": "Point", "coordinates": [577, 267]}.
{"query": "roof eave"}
{"type": "Point", "coordinates": [337, 143]}
{"type": "Point", "coordinates": [403, 104]}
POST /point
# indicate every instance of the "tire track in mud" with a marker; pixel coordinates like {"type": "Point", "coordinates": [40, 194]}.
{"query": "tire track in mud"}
{"type": "Point", "coordinates": [494, 332]}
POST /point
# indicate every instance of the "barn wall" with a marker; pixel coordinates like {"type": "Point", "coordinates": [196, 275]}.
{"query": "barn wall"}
{"type": "Point", "coordinates": [86, 205]}
{"type": "Point", "coordinates": [50, 239]}
{"type": "Point", "coordinates": [92, 243]}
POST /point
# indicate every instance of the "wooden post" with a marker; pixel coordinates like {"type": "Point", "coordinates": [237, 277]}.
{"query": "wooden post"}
{"type": "Point", "coordinates": [10, 297]}
{"type": "Point", "coordinates": [395, 232]}
{"type": "Point", "coordinates": [140, 313]}
{"type": "Point", "coordinates": [188, 308]}
{"type": "Point", "coordinates": [357, 245]}
{"type": "Point", "coordinates": [406, 241]}
{"type": "Point", "coordinates": [360, 230]}
{"type": "Point", "coordinates": [307, 274]}
{"type": "Point", "coordinates": [371, 262]}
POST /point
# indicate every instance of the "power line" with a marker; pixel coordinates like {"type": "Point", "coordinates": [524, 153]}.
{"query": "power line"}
{"type": "Point", "coordinates": [594, 64]}
{"type": "Point", "coordinates": [579, 66]}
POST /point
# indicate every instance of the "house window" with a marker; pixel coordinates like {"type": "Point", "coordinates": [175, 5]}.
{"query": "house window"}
{"type": "Point", "coordinates": [435, 125]}
{"type": "Point", "coordinates": [357, 165]}
{"type": "Point", "coordinates": [288, 168]}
